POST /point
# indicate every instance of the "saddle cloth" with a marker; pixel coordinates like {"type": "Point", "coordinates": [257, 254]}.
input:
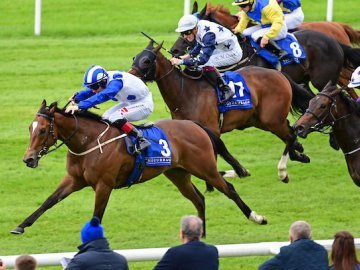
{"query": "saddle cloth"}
{"type": "Point", "coordinates": [241, 99]}
{"type": "Point", "coordinates": [157, 154]}
{"type": "Point", "coordinates": [290, 44]}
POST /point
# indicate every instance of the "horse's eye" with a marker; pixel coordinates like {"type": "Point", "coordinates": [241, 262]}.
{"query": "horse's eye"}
{"type": "Point", "coordinates": [322, 106]}
{"type": "Point", "coordinates": [42, 131]}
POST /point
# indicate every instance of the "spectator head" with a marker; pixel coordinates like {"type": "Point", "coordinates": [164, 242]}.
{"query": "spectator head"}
{"type": "Point", "coordinates": [299, 230]}
{"type": "Point", "coordinates": [92, 230]}
{"type": "Point", "coordinates": [25, 262]}
{"type": "Point", "coordinates": [191, 228]}
{"type": "Point", "coordinates": [343, 253]}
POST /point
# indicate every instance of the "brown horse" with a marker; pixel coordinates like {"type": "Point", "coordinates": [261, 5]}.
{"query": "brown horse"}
{"type": "Point", "coordinates": [334, 108]}
{"type": "Point", "coordinates": [110, 167]}
{"type": "Point", "coordinates": [327, 59]}
{"type": "Point", "coordinates": [271, 92]}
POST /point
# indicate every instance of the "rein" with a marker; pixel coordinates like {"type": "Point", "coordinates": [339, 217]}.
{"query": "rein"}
{"type": "Point", "coordinates": [100, 145]}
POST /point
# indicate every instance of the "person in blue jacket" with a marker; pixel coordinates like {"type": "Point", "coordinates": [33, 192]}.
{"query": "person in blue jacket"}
{"type": "Point", "coordinates": [95, 253]}
{"type": "Point", "coordinates": [302, 253]}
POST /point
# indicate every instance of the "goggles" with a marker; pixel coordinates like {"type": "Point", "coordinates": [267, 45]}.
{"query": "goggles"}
{"type": "Point", "coordinates": [94, 86]}
{"type": "Point", "coordinates": [187, 32]}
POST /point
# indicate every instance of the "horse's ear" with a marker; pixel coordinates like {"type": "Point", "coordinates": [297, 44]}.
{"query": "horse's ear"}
{"type": "Point", "coordinates": [151, 45]}
{"type": "Point", "coordinates": [328, 85]}
{"type": "Point", "coordinates": [52, 107]}
{"type": "Point", "coordinates": [43, 104]}
{"type": "Point", "coordinates": [195, 8]}
{"type": "Point", "coordinates": [158, 47]}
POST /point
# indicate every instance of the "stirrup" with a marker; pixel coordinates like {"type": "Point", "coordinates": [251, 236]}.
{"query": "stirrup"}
{"type": "Point", "coordinates": [227, 94]}
{"type": "Point", "coordinates": [141, 144]}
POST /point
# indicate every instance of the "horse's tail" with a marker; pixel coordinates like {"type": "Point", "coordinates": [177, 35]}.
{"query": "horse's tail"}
{"type": "Point", "coordinates": [220, 148]}
{"type": "Point", "coordinates": [300, 97]}
{"type": "Point", "coordinates": [353, 34]}
{"type": "Point", "coordinates": [351, 55]}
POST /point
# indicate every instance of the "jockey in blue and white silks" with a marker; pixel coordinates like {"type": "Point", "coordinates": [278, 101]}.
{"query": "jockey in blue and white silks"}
{"type": "Point", "coordinates": [293, 13]}
{"type": "Point", "coordinates": [133, 96]}
{"type": "Point", "coordinates": [216, 47]}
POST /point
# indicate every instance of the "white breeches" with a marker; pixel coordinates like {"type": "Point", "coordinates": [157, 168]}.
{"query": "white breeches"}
{"type": "Point", "coordinates": [132, 111]}
{"type": "Point", "coordinates": [221, 58]}
{"type": "Point", "coordinates": [257, 32]}
{"type": "Point", "coordinates": [294, 19]}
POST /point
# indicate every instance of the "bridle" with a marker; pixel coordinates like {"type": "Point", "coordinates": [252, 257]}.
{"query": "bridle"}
{"type": "Point", "coordinates": [321, 126]}
{"type": "Point", "coordinates": [45, 148]}
{"type": "Point", "coordinates": [148, 73]}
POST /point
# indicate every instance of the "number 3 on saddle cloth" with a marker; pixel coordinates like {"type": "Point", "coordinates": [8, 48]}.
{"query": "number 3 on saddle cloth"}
{"type": "Point", "coordinates": [157, 154]}
{"type": "Point", "coordinates": [242, 97]}
{"type": "Point", "coordinates": [290, 44]}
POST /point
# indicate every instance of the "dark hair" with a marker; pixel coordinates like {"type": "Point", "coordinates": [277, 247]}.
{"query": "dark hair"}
{"type": "Point", "coordinates": [343, 254]}
{"type": "Point", "coordinates": [25, 262]}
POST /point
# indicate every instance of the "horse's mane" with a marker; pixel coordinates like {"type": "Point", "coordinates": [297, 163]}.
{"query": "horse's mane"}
{"type": "Point", "coordinates": [349, 101]}
{"type": "Point", "coordinates": [84, 114]}
{"type": "Point", "coordinates": [220, 8]}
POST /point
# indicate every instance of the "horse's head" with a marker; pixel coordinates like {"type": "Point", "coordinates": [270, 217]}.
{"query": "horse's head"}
{"type": "Point", "coordinates": [144, 63]}
{"type": "Point", "coordinates": [321, 113]}
{"type": "Point", "coordinates": [42, 135]}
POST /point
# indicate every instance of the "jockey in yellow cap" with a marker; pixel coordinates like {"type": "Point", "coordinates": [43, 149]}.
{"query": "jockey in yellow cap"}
{"type": "Point", "coordinates": [270, 18]}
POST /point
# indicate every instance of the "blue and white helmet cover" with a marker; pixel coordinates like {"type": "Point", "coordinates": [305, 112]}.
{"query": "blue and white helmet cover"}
{"type": "Point", "coordinates": [94, 74]}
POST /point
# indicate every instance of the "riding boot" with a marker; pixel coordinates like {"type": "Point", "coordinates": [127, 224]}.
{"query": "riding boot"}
{"type": "Point", "coordinates": [129, 129]}
{"type": "Point", "coordinates": [274, 48]}
{"type": "Point", "coordinates": [214, 78]}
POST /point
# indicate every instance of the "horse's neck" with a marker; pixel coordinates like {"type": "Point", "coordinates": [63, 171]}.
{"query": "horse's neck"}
{"type": "Point", "coordinates": [346, 127]}
{"type": "Point", "coordinates": [186, 98]}
{"type": "Point", "coordinates": [77, 132]}
{"type": "Point", "coordinates": [225, 19]}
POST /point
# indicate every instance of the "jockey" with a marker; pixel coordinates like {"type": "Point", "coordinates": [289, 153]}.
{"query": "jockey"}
{"type": "Point", "coordinates": [271, 19]}
{"type": "Point", "coordinates": [216, 47]}
{"type": "Point", "coordinates": [355, 81]}
{"type": "Point", "coordinates": [133, 96]}
{"type": "Point", "coordinates": [294, 16]}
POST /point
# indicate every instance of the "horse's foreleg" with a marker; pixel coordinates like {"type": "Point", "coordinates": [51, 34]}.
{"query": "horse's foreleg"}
{"type": "Point", "coordinates": [228, 189]}
{"type": "Point", "coordinates": [66, 187]}
{"type": "Point", "coordinates": [102, 195]}
{"type": "Point", "coordinates": [181, 179]}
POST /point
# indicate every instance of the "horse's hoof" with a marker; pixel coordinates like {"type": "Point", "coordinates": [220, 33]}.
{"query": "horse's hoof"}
{"type": "Point", "coordinates": [285, 179]}
{"type": "Point", "coordinates": [304, 158]}
{"type": "Point", "coordinates": [18, 230]}
{"type": "Point", "coordinates": [257, 218]}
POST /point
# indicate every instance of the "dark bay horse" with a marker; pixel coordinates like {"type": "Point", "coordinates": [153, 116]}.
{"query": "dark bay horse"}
{"type": "Point", "coordinates": [109, 169]}
{"type": "Point", "coordinates": [326, 58]}
{"type": "Point", "coordinates": [333, 108]}
{"type": "Point", "coordinates": [271, 92]}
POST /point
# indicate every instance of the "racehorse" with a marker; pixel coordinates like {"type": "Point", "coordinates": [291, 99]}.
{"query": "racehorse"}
{"type": "Point", "coordinates": [271, 92]}
{"type": "Point", "coordinates": [326, 57]}
{"type": "Point", "coordinates": [334, 108]}
{"type": "Point", "coordinates": [110, 167]}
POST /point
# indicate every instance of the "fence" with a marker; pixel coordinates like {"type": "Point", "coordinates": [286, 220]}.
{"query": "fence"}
{"type": "Point", "coordinates": [154, 254]}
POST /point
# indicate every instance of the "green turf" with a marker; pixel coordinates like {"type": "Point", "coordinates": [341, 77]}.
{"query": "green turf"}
{"type": "Point", "coordinates": [77, 34]}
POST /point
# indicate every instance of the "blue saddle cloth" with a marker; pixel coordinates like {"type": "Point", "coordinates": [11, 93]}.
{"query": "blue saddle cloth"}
{"type": "Point", "coordinates": [241, 99]}
{"type": "Point", "coordinates": [157, 154]}
{"type": "Point", "coordinates": [289, 44]}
